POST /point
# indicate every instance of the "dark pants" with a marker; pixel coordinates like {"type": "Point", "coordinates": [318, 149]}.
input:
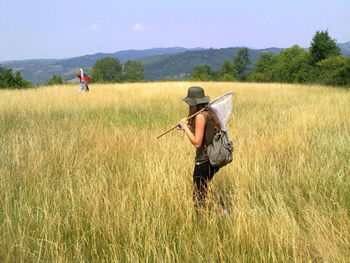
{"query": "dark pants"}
{"type": "Point", "coordinates": [202, 175]}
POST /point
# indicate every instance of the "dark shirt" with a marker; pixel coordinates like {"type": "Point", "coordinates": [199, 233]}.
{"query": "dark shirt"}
{"type": "Point", "coordinates": [209, 132]}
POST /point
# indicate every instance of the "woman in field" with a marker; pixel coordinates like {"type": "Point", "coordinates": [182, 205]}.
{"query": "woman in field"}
{"type": "Point", "coordinates": [200, 130]}
{"type": "Point", "coordinates": [84, 79]}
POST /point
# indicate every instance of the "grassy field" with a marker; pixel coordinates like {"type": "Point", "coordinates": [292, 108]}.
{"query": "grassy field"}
{"type": "Point", "coordinates": [84, 179]}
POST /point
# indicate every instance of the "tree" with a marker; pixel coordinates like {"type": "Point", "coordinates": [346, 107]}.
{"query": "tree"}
{"type": "Point", "coordinates": [241, 62]}
{"type": "Point", "coordinates": [334, 71]}
{"type": "Point", "coordinates": [291, 65]}
{"type": "Point", "coordinates": [202, 72]}
{"type": "Point", "coordinates": [263, 67]}
{"type": "Point", "coordinates": [322, 64]}
{"type": "Point", "coordinates": [55, 80]}
{"type": "Point", "coordinates": [106, 69]}
{"type": "Point", "coordinates": [288, 63]}
{"type": "Point", "coordinates": [322, 47]}
{"type": "Point", "coordinates": [264, 62]}
{"type": "Point", "coordinates": [227, 72]}
{"type": "Point", "coordinates": [8, 80]}
{"type": "Point", "coordinates": [133, 71]}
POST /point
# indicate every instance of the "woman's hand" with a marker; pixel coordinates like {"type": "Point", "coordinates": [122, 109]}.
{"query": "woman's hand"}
{"type": "Point", "coordinates": [183, 123]}
{"type": "Point", "coordinates": [196, 138]}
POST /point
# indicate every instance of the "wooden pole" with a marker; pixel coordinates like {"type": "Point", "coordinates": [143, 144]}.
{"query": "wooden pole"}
{"type": "Point", "coordinates": [206, 108]}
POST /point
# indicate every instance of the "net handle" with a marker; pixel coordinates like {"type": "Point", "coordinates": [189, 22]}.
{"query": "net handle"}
{"type": "Point", "coordinates": [206, 108]}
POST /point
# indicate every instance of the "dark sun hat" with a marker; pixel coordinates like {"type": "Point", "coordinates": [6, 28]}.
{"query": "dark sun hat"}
{"type": "Point", "coordinates": [195, 96]}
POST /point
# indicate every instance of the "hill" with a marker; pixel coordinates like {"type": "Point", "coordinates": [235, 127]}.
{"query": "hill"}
{"type": "Point", "coordinates": [160, 63]}
{"type": "Point", "coordinates": [180, 65]}
{"type": "Point", "coordinates": [41, 70]}
{"type": "Point", "coordinates": [345, 48]}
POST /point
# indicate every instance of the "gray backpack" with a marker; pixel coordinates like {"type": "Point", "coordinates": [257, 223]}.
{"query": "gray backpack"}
{"type": "Point", "coordinates": [220, 150]}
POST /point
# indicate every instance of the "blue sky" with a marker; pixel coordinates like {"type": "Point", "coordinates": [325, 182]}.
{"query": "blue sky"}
{"type": "Point", "coordinates": [62, 28]}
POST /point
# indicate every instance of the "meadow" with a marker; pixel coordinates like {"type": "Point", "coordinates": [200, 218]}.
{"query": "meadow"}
{"type": "Point", "coordinates": [84, 179]}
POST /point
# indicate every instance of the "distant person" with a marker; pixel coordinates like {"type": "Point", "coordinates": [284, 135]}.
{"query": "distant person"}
{"type": "Point", "coordinates": [84, 79]}
{"type": "Point", "coordinates": [200, 130]}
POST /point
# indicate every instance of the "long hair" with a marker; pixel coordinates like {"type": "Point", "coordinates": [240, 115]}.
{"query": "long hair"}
{"type": "Point", "coordinates": [212, 117]}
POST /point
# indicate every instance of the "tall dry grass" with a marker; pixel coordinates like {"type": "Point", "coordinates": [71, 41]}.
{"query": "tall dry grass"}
{"type": "Point", "coordinates": [83, 179]}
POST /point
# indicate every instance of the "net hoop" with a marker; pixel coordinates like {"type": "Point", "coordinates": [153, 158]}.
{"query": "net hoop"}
{"type": "Point", "coordinates": [220, 98]}
{"type": "Point", "coordinates": [222, 108]}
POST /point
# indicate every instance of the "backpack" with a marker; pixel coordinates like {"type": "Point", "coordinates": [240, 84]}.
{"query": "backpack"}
{"type": "Point", "coordinates": [220, 150]}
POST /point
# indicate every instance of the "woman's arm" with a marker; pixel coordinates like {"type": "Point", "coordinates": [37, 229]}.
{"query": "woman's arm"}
{"type": "Point", "coordinates": [196, 138]}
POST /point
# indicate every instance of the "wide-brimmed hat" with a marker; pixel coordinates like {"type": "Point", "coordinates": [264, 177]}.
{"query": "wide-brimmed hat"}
{"type": "Point", "coordinates": [195, 96]}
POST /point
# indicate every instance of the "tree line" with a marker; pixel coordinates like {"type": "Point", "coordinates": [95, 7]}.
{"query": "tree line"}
{"type": "Point", "coordinates": [11, 80]}
{"type": "Point", "coordinates": [104, 70]}
{"type": "Point", "coordinates": [321, 64]}
{"type": "Point", "coordinates": [109, 69]}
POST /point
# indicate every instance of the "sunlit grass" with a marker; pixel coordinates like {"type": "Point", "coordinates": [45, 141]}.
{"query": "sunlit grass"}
{"type": "Point", "coordinates": [83, 179]}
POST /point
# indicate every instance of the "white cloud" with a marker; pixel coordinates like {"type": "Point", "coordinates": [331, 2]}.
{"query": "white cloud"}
{"type": "Point", "coordinates": [94, 27]}
{"type": "Point", "coordinates": [139, 27]}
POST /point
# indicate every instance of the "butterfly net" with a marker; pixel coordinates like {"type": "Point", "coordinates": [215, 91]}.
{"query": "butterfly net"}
{"type": "Point", "coordinates": [222, 106]}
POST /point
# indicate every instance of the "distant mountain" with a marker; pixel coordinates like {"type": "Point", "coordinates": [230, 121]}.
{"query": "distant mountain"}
{"type": "Point", "coordinates": [41, 70]}
{"type": "Point", "coordinates": [160, 63]}
{"type": "Point", "coordinates": [345, 48]}
{"type": "Point", "coordinates": [181, 65]}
